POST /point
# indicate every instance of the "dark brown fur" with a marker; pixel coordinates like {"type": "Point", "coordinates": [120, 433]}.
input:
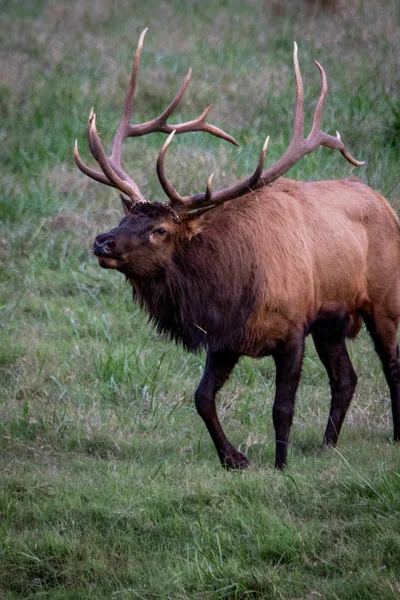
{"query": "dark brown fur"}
{"type": "Point", "coordinates": [254, 276]}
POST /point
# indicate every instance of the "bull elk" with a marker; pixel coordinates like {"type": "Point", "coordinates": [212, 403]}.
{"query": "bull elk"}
{"type": "Point", "coordinates": [252, 269]}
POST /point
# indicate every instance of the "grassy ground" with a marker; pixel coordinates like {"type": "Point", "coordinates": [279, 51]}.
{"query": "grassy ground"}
{"type": "Point", "coordinates": [110, 486]}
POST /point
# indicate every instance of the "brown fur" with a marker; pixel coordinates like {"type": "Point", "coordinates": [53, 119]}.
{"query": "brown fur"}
{"type": "Point", "coordinates": [255, 275]}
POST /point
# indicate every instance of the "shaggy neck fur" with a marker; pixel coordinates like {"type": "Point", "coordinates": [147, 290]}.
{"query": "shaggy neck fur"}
{"type": "Point", "coordinates": [200, 303]}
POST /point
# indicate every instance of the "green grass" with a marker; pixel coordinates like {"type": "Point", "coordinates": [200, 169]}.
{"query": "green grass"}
{"type": "Point", "coordinates": [110, 486]}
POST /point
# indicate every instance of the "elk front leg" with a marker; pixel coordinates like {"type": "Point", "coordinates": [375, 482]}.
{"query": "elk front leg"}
{"type": "Point", "coordinates": [219, 366]}
{"type": "Point", "coordinates": [288, 362]}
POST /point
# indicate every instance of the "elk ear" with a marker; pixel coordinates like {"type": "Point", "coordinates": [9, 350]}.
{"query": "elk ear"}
{"type": "Point", "coordinates": [196, 223]}
{"type": "Point", "coordinates": [127, 205]}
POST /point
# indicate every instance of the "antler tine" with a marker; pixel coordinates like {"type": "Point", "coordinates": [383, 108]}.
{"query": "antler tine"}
{"type": "Point", "coordinates": [316, 124]}
{"type": "Point", "coordinates": [88, 170]}
{"type": "Point", "coordinates": [126, 186]}
{"type": "Point", "coordinates": [200, 124]}
{"type": "Point", "coordinates": [175, 198]}
{"type": "Point", "coordinates": [317, 136]}
{"type": "Point", "coordinates": [255, 178]}
{"type": "Point", "coordinates": [348, 156]}
{"type": "Point", "coordinates": [208, 195]}
{"type": "Point", "coordinates": [124, 124]}
{"type": "Point", "coordinates": [298, 121]}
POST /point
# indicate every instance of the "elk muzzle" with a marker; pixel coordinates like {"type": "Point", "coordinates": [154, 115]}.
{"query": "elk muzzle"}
{"type": "Point", "coordinates": [104, 247]}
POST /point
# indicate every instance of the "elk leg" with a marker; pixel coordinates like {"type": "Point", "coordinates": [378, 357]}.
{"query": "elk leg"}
{"type": "Point", "coordinates": [342, 379]}
{"type": "Point", "coordinates": [219, 366]}
{"type": "Point", "coordinates": [288, 369]}
{"type": "Point", "coordinates": [383, 331]}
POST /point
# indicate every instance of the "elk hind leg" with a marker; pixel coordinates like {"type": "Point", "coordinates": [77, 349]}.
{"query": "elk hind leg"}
{"type": "Point", "coordinates": [333, 354]}
{"type": "Point", "coordinates": [219, 366]}
{"type": "Point", "coordinates": [383, 331]}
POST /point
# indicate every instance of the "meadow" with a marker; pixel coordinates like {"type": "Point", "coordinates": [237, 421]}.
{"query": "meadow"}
{"type": "Point", "coordinates": [110, 487]}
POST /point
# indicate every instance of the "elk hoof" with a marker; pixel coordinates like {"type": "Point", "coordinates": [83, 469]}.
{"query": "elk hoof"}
{"type": "Point", "coordinates": [329, 442]}
{"type": "Point", "coordinates": [236, 461]}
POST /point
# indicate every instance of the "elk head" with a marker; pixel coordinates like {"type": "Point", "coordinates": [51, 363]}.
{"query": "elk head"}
{"type": "Point", "coordinates": [146, 238]}
{"type": "Point", "coordinates": [144, 241]}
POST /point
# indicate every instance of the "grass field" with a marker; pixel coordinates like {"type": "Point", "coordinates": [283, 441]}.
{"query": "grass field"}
{"type": "Point", "coordinates": [110, 486]}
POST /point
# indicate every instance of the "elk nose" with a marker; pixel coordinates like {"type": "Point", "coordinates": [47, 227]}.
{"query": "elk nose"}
{"type": "Point", "coordinates": [103, 245]}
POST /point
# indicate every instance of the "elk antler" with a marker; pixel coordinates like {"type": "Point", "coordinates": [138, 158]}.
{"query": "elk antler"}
{"type": "Point", "coordinates": [112, 171]}
{"type": "Point", "coordinates": [298, 147]}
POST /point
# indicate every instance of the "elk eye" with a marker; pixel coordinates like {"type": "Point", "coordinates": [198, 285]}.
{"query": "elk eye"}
{"type": "Point", "coordinates": [160, 231]}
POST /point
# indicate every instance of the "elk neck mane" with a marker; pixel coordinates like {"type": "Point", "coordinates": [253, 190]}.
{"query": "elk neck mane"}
{"type": "Point", "coordinates": [208, 291]}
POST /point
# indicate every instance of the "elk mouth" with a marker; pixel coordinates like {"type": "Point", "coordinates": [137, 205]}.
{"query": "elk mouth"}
{"type": "Point", "coordinates": [106, 256]}
{"type": "Point", "coordinates": [107, 262]}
